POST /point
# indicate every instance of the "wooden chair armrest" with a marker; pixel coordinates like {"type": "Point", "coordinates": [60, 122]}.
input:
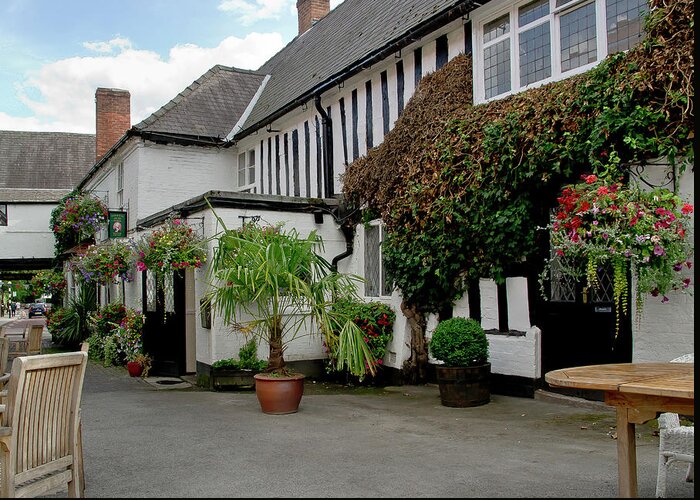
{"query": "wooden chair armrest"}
{"type": "Point", "coordinates": [4, 378]}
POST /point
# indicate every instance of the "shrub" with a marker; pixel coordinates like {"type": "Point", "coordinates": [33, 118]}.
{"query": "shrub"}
{"type": "Point", "coordinates": [247, 359]}
{"type": "Point", "coordinates": [69, 326]}
{"type": "Point", "coordinates": [375, 319]}
{"type": "Point", "coordinates": [107, 318]}
{"type": "Point", "coordinates": [459, 342]}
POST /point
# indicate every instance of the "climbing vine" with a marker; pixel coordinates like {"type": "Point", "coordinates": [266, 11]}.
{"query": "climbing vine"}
{"type": "Point", "coordinates": [462, 189]}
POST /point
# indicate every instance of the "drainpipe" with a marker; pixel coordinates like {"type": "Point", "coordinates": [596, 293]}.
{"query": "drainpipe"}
{"type": "Point", "coordinates": [349, 235]}
{"type": "Point", "coordinates": [327, 147]}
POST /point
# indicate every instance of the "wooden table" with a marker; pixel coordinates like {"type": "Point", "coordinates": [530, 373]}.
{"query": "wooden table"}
{"type": "Point", "coordinates": [638, 391]}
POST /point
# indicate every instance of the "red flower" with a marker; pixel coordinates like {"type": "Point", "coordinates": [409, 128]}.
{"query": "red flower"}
{"type": "Point", "coordinates": [590, 179]}
{"type": "Point", "coordinates": [687, 209]}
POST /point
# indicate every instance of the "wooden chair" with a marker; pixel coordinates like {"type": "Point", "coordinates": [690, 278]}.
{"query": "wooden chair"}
{"type": "Point", "coordinates": [40, 445]}
{"type": "Point", "coordinates": [4, 355]}
{"type": "Point", "coordinates": [29, 343]}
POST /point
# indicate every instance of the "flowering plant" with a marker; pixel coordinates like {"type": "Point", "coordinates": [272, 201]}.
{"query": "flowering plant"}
{"type": "Point", "coordinates": [375, 319]}
{"type": "Point", "coordinates": [79, 214]}
{"type": "Point", "coordinates": [107, 318]}
{"type": "Point", "coordinates": [48, 281]}
{"type": "Point", "coordinates": [174, 246]}
{"type": "Point", "coordinates": [129, 335]}
{"type": "Point", "coordinates": [645, 232]}
{"type": "Point", "coordinates": [104, 264]}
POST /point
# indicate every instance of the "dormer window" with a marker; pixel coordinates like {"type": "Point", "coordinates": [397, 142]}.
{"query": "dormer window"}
{"type": "Point", "coordinates": [524, 44]}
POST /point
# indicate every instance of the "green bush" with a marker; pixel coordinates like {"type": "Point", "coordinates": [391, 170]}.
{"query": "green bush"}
{"type": "Point", "coordinates": [460, 342]}
{"type": "Point", "coordinates": [247, 359]}
{"type": "Point", "coordinates": [375, 319]}
{"type": "Point", "coordinates": [107, 318]}
{"type": "Point", "coordinates": [70, 327]}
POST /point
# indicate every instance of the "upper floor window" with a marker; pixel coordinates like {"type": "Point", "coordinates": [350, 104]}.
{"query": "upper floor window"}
{"type": "Point", "coordinates": [3, 214]}
{"type": "Point", "coordinates": [246, 169]}
{"type": "Point", "coordinates": [376, 282]}
{"type": "Point", "coordinates": [120, 185]}
{"type": "Point", "coordinates": [532, 42]}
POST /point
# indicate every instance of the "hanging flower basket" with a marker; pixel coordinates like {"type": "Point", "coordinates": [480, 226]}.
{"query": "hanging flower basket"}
{"type": "Point", "coordinates": [173, 247]}
{"type": "Point", "coordinates": [647, 233]}
{"type": "Point", "coordinates": [78, 217]}
{"type": "Point", "coordinates": [104, 264]}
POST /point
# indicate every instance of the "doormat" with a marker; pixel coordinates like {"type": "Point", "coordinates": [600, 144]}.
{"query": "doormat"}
{"type": "Point", "coordinates": [167, 383]}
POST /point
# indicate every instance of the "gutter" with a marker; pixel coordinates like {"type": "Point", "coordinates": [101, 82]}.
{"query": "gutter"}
{"type": "Point", "coordinates": [416, 33]}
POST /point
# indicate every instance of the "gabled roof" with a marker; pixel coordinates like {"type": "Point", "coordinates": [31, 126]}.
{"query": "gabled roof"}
{"type": "Point", "coordinates": [209, 107]}
{"type": "Point", "coordinates": [43, 160]}
{"type": "Point", "coordinates": [341, 42]}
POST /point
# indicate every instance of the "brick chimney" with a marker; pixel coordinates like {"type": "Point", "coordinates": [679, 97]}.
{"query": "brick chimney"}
{"type": "Point", "coordinates": [311, 11]}
{"type": "Point", "coordinates": [113, 116]}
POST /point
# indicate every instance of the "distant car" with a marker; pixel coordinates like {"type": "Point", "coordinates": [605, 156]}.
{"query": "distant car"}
{"type": "Point", "coordinates": [37, 309]}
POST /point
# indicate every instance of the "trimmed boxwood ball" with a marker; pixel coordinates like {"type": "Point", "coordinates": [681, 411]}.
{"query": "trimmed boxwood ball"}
{"type": "Point", "coordinates": [460, 342]}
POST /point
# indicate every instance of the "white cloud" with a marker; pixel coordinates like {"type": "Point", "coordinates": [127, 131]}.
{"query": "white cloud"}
{"type": "Point", "coordinates": [251, 11]}
{"type": "Point", "coordinates": [61, 94]}
{"type": "Point", "coordinates": [108, 47]}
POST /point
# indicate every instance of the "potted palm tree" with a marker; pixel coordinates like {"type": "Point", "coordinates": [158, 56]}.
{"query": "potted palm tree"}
{"type": "Point", "coordinates": [462, 347]}
{"type": "Point", "coordinates": [272, 284]}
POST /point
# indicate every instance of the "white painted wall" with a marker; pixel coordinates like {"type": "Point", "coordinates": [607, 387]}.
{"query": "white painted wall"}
{"type": "Point", "coordinates": [27, 234]}
{"type": "Point", "coordinates": [220, 342]}
{"type": "Point", "coordinates": [664, 331]}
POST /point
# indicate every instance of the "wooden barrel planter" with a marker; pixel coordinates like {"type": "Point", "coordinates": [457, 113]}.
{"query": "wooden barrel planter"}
{"type": "Point", "coordinates": [464, 386]}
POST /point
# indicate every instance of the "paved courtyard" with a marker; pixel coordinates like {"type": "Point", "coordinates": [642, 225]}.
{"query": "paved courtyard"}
{"type": "Point", "coordinates": [143, 439]}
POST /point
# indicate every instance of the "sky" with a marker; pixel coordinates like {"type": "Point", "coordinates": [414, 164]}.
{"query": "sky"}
{"type": "Point", "coordinates": [54, 54]}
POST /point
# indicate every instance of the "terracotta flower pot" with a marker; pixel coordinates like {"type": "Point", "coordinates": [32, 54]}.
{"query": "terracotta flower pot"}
{"type": "Point", "coordinates": [279, 395]}
{"type": "Point", "coordinates": [134, 368]}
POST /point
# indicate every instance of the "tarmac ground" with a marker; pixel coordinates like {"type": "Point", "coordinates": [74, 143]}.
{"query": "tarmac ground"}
{"type": "Point", "coordinates": [147, 439]}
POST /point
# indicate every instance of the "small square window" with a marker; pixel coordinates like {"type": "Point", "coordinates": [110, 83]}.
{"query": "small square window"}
{"type": "Point", "coordinates": [3, 214]}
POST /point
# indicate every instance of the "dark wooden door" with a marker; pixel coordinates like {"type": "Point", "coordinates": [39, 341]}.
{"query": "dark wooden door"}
{"type": "Point", "coordinates": [581, 327]}
{"type": "Point", "coordinates": [164, 327]}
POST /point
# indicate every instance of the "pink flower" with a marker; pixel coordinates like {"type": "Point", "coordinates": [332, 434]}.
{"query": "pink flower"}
{"type": "Point", "coordinates": [140, 266]}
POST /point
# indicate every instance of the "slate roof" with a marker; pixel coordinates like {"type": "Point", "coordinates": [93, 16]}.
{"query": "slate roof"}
{"type": "Point", "coordinates": [348, 34]}
{"type": "Point", "coordinates": [209, 107]}
{"type": "Point", "coordinates": [49, 161]}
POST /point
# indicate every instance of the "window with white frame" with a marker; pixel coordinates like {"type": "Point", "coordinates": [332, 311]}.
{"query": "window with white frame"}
{"type": "Point", "coordinates": [246, 169]}
{"type": "Point", "coordinates": [376, 282]}
{"type": "Point", "coordinates": [120, 185]}
{"type": "Point", "coordinates": [531, 42]}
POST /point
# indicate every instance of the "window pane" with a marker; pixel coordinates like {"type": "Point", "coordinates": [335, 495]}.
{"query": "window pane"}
{"type": "Point", "coordinates": [496, 28]}
{"type": "Point", "coordinates": [241, 169]}
{"type": "Point", "coordinates": [532, 11]}
{"type": "Point", "coordinates": [624, 23]}
{"type": "Point", "coordinates": [3, 215]}
{"type": "Point", "coordinates": [372, 261]}
{"type": "Point", "coordinates": [497, 68]}
{"type": "Point", "coordinates": [535, 55]}
{"type": "Point", "coordinates": [578, 42]}
{"type": "Point", "coordinates": [387, 287]}
{"type": "Point", "coordinates": [251, 166]}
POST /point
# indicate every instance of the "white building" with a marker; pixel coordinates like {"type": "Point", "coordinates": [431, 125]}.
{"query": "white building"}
{"type": "Point", "coordinates": [275, 143]}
